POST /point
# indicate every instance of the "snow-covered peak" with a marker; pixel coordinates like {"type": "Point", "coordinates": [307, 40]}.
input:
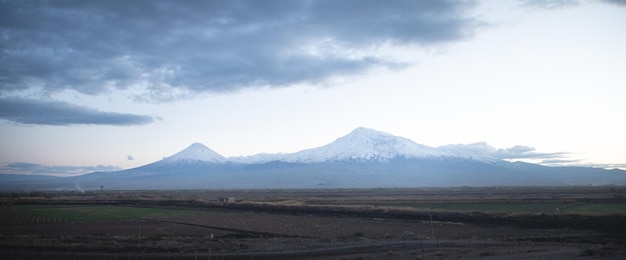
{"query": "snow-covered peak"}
{"type": "Point", "coordinates": [196, 152]}
{"type": "Point", "coordinates": [363, 144]}
{"type": "Point", "coordinates": [366, 133]}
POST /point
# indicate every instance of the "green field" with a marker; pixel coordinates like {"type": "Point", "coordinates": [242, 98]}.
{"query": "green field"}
{"type": "Point", "coordinates": [100, 213]}
{"type": "Point", "coordinates": [600, 208]}
{"type": "Point", "coordinates": [597, 208]}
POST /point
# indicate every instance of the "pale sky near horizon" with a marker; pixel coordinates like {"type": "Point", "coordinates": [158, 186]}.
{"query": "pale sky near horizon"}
{"type": "Point", "coordinates": [95, 85]}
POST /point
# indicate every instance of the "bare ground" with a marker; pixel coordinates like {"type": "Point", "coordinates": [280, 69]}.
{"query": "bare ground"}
{"type": "Point", "coordinates": [279, 231]}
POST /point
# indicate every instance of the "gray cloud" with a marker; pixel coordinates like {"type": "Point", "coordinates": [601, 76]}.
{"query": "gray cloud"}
{"type": "Point", "coordinates": [609, 165]}
{"type": "Point", "coordinates": [525, 152]}
{"type": "Point", "coordinates": [597, 165]}
{"type": "Point", "coordinates": [617, 2]}
{"type": "Point", "coordinates": [130, 157]}
{"type": "Point", "coordinates": [580, 163]}
{"type": "Point", "coordinates": [512, 153]}
{"type": "Point", "coordinates": [199, 46]}
{"type": "Point", "coordinates": [522, 152]}
{"type": "Point", "coordinates": [38, 169]}
{"type": "Point", "coordinates": [37, 112]}
{"type": "Point", "coordinates": [553, 4]}
{"type": "Point", "coordinates": [559, 161]}
{"type": "Point", "coordinates": [548, 4]}
{"type": "Point", "coordinates": [22, 166]}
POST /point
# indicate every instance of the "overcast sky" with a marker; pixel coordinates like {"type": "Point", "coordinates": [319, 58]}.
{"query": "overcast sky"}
{"type": "Point", "coordinates": [107, 85]}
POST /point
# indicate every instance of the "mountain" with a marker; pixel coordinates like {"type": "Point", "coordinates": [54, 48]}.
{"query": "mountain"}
{"type": "Point", "coordinates": [364, 144]}
{"type": "Point", "coordinates": [196, 152]}
{"type": "Point", "coordinates": [364, 158]}
{"type": "Point", "coordinates": [195, 158]}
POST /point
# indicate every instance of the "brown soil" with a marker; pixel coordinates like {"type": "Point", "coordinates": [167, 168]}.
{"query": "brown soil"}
{"type": "Point", "coordinates": [271, 231]}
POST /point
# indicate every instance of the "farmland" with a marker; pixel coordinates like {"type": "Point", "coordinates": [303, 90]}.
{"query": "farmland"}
{"type": "Point", "coordinates": [82, 213]}
{"type": "Point", "coordinates": [539, 222]}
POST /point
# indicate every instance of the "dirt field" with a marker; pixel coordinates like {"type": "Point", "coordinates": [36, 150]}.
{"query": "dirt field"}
{"type": "Point", "coordinates": [462, 223]}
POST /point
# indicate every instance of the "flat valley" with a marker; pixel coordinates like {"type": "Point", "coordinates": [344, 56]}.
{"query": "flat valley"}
{"type": "Point", "coordinates": [416, 223]}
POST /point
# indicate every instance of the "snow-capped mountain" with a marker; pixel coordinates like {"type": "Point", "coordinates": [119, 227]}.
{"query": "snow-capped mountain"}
{"type": "Point", "coordinates": [196, 152]}
{"type": "Point", "coordinates": [363, 144]}
{"type": "Point", "coordinates": [195, 158]}
{"type": "Point", "coordinates": [364, 158]}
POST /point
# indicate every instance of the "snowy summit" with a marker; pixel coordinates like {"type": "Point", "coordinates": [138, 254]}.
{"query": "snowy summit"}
{"type": "Point", "coordinates": [362, 158]}
{"type": "Point", "coordinates": [363, 144]}
{"type": "Point", "coordinates": [196, 152]}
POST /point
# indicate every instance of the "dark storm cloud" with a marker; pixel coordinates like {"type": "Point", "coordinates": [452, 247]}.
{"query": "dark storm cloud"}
{"type": "Point", "coordinates": [197, 46]}
{"type": "Point", "coordinates": [37, 112]}
{"type": "Point", "coordinates": [38, 169]}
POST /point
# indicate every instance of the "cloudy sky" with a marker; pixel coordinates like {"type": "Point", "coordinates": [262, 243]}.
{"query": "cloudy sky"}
{"type": "Point", "coordinates": [106, 85]}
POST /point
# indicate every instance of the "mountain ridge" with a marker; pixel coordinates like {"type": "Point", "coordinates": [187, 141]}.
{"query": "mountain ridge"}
{"type": "Point", "coordinates": [364, 158]}
{"type": "Point", "coordinates": [362, 144]}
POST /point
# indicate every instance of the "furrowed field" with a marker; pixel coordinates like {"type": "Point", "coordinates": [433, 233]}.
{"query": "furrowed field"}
{"type": "Point", "coordinates": [96, 213]}
{"type": "Point", "coordinates": [497, 222]}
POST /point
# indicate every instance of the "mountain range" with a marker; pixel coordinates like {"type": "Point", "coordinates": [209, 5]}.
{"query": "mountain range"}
{"type": "Point", "coordinates": [365, 158]}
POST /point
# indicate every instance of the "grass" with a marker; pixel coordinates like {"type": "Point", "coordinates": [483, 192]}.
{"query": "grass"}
{"type": "Point", "coordinates": [100, 213]}
{"type": "Point", "coordinates": [597, 208]}
{"type": "Point", "coordinates": [514, 208]}
{"type": "Point", "coordinates": [600, 208]}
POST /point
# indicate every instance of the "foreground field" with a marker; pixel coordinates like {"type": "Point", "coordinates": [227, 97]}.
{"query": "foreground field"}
{"type": "Point", "coordinates": [322, 224]}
